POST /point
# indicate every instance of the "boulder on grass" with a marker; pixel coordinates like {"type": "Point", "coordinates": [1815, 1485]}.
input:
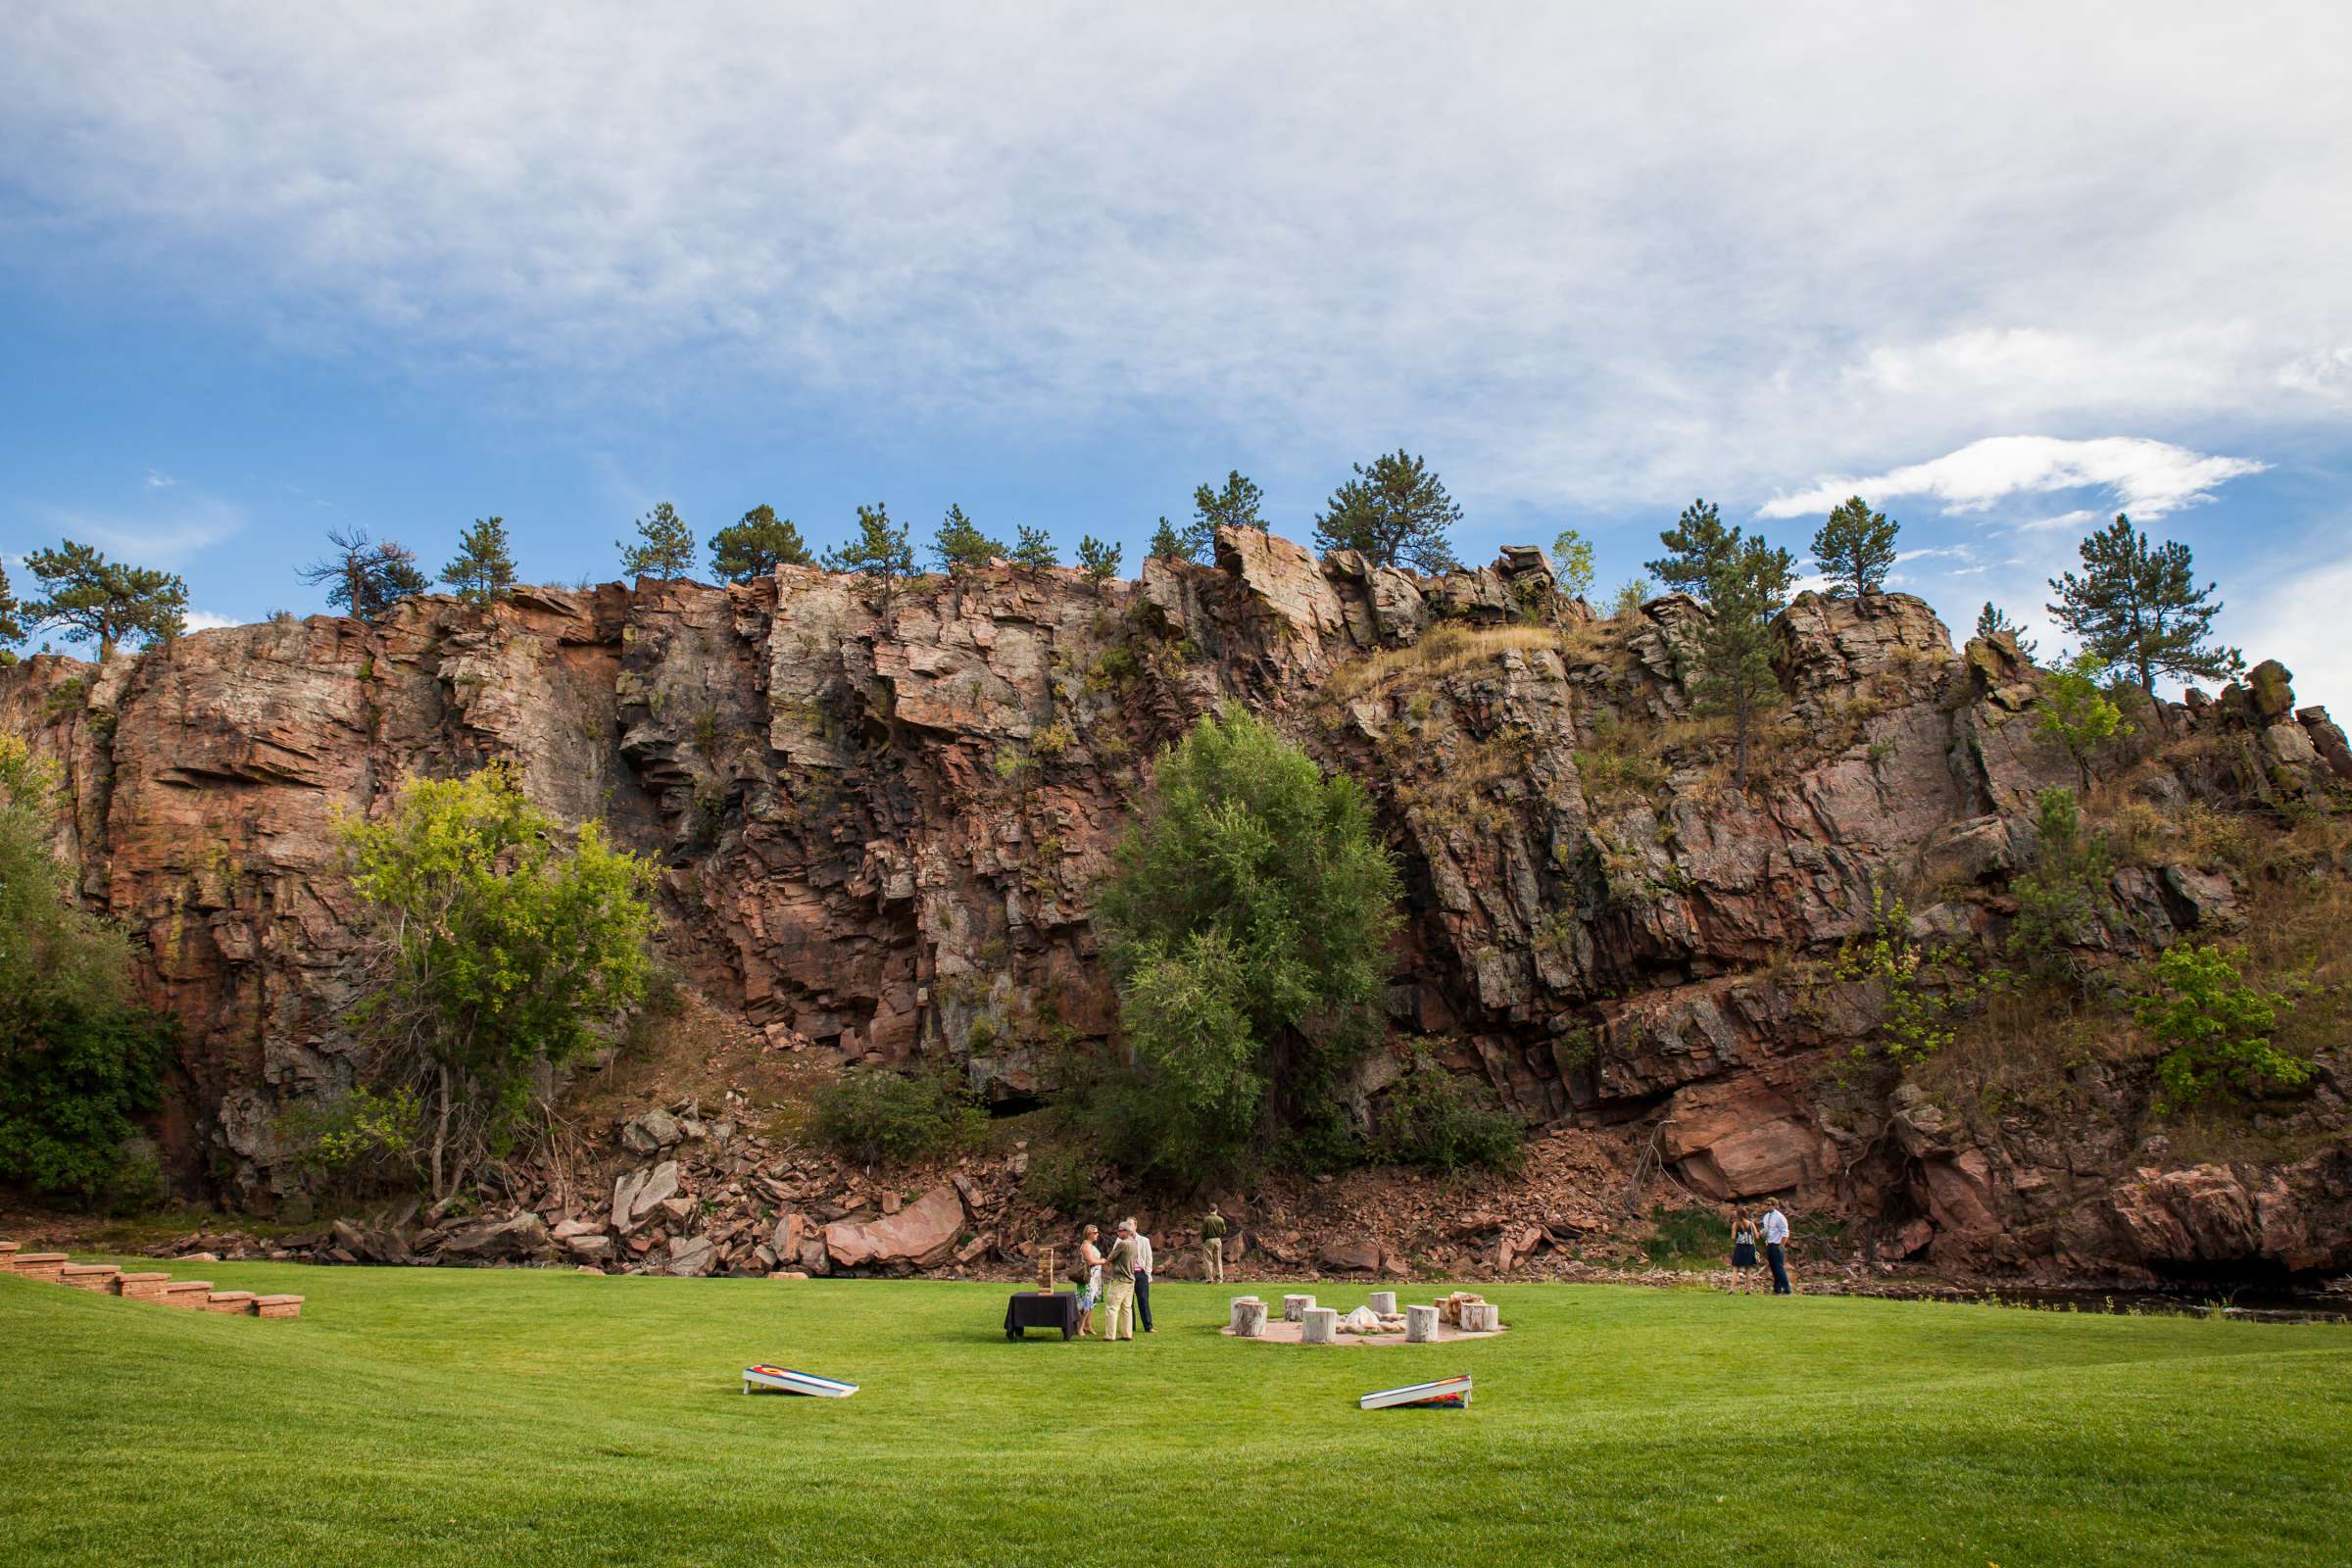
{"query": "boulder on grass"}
{"type": "Point", "coordinates": [691, 1257]}
{"type": "Point", "coordinates": [921, 1235]}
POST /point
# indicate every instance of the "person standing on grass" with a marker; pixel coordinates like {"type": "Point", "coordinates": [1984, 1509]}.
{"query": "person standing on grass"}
{"type": "Point", "coordinates": [1091, 1257]}
{"type": "Point", "coordinates": [1776, 1248]}
{"type": "Point", "coordinates": [1212, 1246]}
{"type": "Point", "coordinates": [1121, 1266]}
{"type": "Point", "coordinates": [1743, 1252]}
{"type": "Point", "coordinates": [1143, 1274]}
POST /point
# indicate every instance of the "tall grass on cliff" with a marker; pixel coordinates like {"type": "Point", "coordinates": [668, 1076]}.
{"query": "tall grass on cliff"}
{"type": "Point", "coordinates": [80, 1060]}
{"type": "Point", "coordinates": [502, 945]}
{"type": "Point", "coordinates": [1248, 925]}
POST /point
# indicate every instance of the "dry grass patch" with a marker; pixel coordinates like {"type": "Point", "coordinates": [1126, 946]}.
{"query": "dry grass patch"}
{"type": "Point", "coordinates": [1445, 648]}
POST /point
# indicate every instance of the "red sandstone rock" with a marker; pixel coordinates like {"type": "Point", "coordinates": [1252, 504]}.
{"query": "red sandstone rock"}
{"type": "Point", "coordinates": [38, 1265]}
{"type": "Point", "coordinates": [922, 1235]}
{"type": "Point", "coordinates": [89, 1276]}
{"type": "Point", "coordinates": [192, 1294]}
{"type": "Point", "coordinates": [240, 1302]}
{"type": "Point", "coordinates": [143, 1287]}
{"type": "Point", "coordinates": [278, 1306]}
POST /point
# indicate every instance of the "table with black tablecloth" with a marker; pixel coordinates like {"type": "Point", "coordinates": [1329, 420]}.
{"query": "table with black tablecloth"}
{"type": "Point", "coordinates": [1034, 1309]}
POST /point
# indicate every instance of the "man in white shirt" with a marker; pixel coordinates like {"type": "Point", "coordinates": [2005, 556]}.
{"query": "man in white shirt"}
{"type": "Point", "coordinates": [1776, 1243]}
{"type": "Point", "coordinates": [1143, 1275]}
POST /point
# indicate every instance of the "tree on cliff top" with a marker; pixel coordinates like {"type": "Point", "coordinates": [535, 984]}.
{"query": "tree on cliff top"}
{"type": "Point", "coordinates": [484, 568]}
{"type": "Point", "coordinates": [102, 600]}
{"type": "Point", "coordinates": [1856, 548]}
{"type": "Point", "coordinates": [960, 548]}
{"type": "Point", "coordinates": [1033, 549]}
{"type": "Point", "coordinates": [1168, 543]}
{"type": "Point", "coordinates": [1697, 546]}
{"type": "Point", "coordinates": [1235, 505]}
{"type": "Point", "coordinates": [1395, 511]}
{"type": "Point", "coordinates": [665, 547]}
{"type": "Point", "coordinates": [12, 630]}
{"type": "Point", "coordinates": [79, 1060]}
{"type": "Point", "coordinates": [365, 577]}
{"type": "Point", "coordinates": [757, 546]}
{"type": "Point", "coordinates": [1572, 564]}
{"type": "Point", "coordinates": [880, 551]}
{"type": "Point", "coordinates": [500, 943]}
{"type": "Point", "coordinates": [1992, 620]}
{"type": "Point", "coordinates": [1247, 925]}
{"type": "Point", "coordinates": [1098, 561]}
{"type": "Point", "coordinates": [2139, 610]}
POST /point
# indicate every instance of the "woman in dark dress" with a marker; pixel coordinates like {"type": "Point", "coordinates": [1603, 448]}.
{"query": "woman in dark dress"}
{"type": "Point", "coordinates": [1743, 1252]}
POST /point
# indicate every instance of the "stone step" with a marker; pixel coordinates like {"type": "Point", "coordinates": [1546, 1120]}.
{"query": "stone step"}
{"type": "Point", "coordinates": [229, 1301]}
{"type": "Point", "coordinates": [190, 1293]}
{"type": "Point", "coordinates": [140, 1287]}
{"type": "Point", "coordinates": [278, 1306]}
{"type": "Point", "coordinates": [89, 1276]}
{"type": "Point", "coordinates": [8, 1249]}
{"type": "Point", "coordinates": [37, 1265]}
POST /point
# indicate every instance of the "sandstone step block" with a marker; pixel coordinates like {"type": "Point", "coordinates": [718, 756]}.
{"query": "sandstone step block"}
{"type": "Point", "coordinates": [278, 1306]}
{"type": "Point", "coordinates": [190, 1295]}
{"type": "Point", "coordinates": [8, 1251]}
{"type": "Point", "coordinates": [89, 1276]}
{"type": "Point", "coordinates": [238, 1301]}
{"type": "Point", "coordinates": [140, 1287]}
{"type": "Point", "coordinates": [38, 1265]}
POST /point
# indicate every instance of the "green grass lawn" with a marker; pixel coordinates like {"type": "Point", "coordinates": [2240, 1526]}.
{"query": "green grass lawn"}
{"type": "Point", "coordinates": [458, 1416]}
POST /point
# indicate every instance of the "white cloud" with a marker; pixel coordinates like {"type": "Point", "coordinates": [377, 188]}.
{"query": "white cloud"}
{"type": "Point", "coordinates": [2148, 478]}
{"type": "Point", "coordinates": [158, 480]}
{"type": "Point", "coordinates": [166, 534]}
{"type": "Point", "coordinates": [206, 621]}
{"type": "Point", "coordinates": [1276, 227]}
{"type": "Point", "coordinates": [2299, 619]}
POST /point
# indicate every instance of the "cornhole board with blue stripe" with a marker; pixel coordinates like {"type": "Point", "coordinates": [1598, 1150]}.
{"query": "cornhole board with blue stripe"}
{"type": "Point", "coordinates": [783, 1380]}
{"type": "Point", "coordinates": [1446, 1394]}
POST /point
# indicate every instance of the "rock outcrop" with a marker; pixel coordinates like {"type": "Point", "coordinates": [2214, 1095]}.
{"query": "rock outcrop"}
{"type": "Point", "coordinates": [880, 815]}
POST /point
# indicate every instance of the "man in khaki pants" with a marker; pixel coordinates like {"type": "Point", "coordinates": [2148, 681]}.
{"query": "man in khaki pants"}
{"type": "Point", "coordinates": [1120, 1267]}
{"type": "Point", "coordinates": [1213, 1244]}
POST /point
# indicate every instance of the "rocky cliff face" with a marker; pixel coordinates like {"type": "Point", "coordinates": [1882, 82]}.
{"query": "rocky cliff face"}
{"type": "Point", "coordinates": [881, 816]}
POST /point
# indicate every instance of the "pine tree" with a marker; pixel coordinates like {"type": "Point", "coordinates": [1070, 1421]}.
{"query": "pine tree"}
{"type": "Point", "coordinates": [1746, 587]}
{"type": "Point", "coordinates": [12, 629]}
{"type": "Point", "coordinates": [2137, 610]}
{"type": "Point", "coordinates": [1098, 561]}
{"type": "Point", "coordinates": [960, 548]}
{"type": "Point", "coordinates": [1169, 545]}
{"type": "Point", "coordinates": [881, 551]}
{"type": "Point", "coordinates": [484, 570]}
{"type": "Point", "coordinates": [100, 601]}
{"type": "Point", "coordinates": [365, 577]}
{"type": "Point", "coordinates": [1236, 506]}
{"type": "Point", "coordinates": [1695, 546]}
{"type": "Point", "coordinates": [667, 547]}
{"type": "Point", "coordinates": [1572, 564]}
{"type": "Point", "coordinates": [1034, 550]}
{"type": "Point", "coordinates": [1856, 548]}
{"type": "Point", "coordinates": [757, 546]}
{"type": "Point", "coordinates": [1396, 511]}
{"type": "Point", "coordinates": [1991, 622]}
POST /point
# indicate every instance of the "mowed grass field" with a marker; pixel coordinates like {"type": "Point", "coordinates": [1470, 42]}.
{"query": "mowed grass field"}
{"type": "Point", "coordinates": [458, 1416]}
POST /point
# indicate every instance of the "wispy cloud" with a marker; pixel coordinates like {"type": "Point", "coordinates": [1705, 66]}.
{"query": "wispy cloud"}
{"type": "Point", "coordinates": [169, 534]}
{"type": "Point", "coordinates": [206, 621]}
{"type": "Point", "coordinates": [158, 480]}
{"type": "Point", "coordinates": [2149, 478]}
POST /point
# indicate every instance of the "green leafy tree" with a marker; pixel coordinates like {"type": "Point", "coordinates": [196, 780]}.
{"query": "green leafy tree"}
{"type": "Point", "coordinates": [1167, 544]}
{"type": "Point", "coordinates": [1747, 588]}
{"type": "Point", "coordinates": [1395, 511]}
{"type": "Point", "coordinates": [483, 571]}
{"type": "Point", "coordinates": [2219, 1028]}
{"type": "Point", "coordinates": [2074, 710]}
{"type": "Point", "coordinates": [879, 552]}
{"type": "Point", "coordinates": [1246, 923]}
{"type": "Point", "coordinates": [757, 546]}
{"type": "Point", "coordinates": [1923, 989]}
{"type": "Point", "coordinates": [1856, 548]}
{"type": "Point", "coordinates": [876, 1116]}
{"type": "Point", "coordinates": [1572, 564]}
{"type": "Point", "coordinates": [500, 944]}
{"type": "Point", "coordinates": [2058, 895]}
{"type": "Point", "coordinates": [664, 545]}
{"type": "Point", "coordinates": [961, 549]}
{"type": "Point", "coordinates": [1098, 561]}
{"type": "Point", "coordinates": [1697, 546]}
{"type": "Point", "coordinates": [365, 577]}
{"type": "Point", "coordinates": [1236, 506]}
{"type": "Point", "coordinates": [1033, 549]}
{"type": "Point", "coordinates": [2138, 610]}
{"type": "Point", "coordinates": [80, 1062]}
{"type": "Point", "coordinates": [12, 628]}
{"type": "Point", "coordinates": [102, 600]}
{"type": "Point", "coordinates": [1992, 621]}
{"type": "Point", "coordinates": [1630, 596]}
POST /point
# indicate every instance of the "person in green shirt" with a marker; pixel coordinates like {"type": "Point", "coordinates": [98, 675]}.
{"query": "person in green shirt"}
{"type": "Point", "coordinates": [1212, 1246]}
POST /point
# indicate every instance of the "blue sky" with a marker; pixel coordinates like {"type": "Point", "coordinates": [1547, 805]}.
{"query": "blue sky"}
{"type": "Point", "coordinates": [270, 269]}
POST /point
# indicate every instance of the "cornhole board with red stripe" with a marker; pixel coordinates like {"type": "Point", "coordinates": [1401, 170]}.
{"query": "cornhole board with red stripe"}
{"type": "Point", "coordinates": [783, 1380]}
{"type": "Point", "coordinates": [1446, 1394]}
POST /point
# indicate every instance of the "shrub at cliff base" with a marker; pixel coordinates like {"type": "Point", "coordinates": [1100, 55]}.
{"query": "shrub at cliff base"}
{"type": "Point", "coordinates": [503, 945]}
{"type": "Point", "coordinates": [1246, 927]}
{"type": "Point", "coordinates": [875, 1115]}
{"type": "Point", "coordinates": [2217, 1028]}
{"type": "Point", "coordinates": [79, 1062]}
